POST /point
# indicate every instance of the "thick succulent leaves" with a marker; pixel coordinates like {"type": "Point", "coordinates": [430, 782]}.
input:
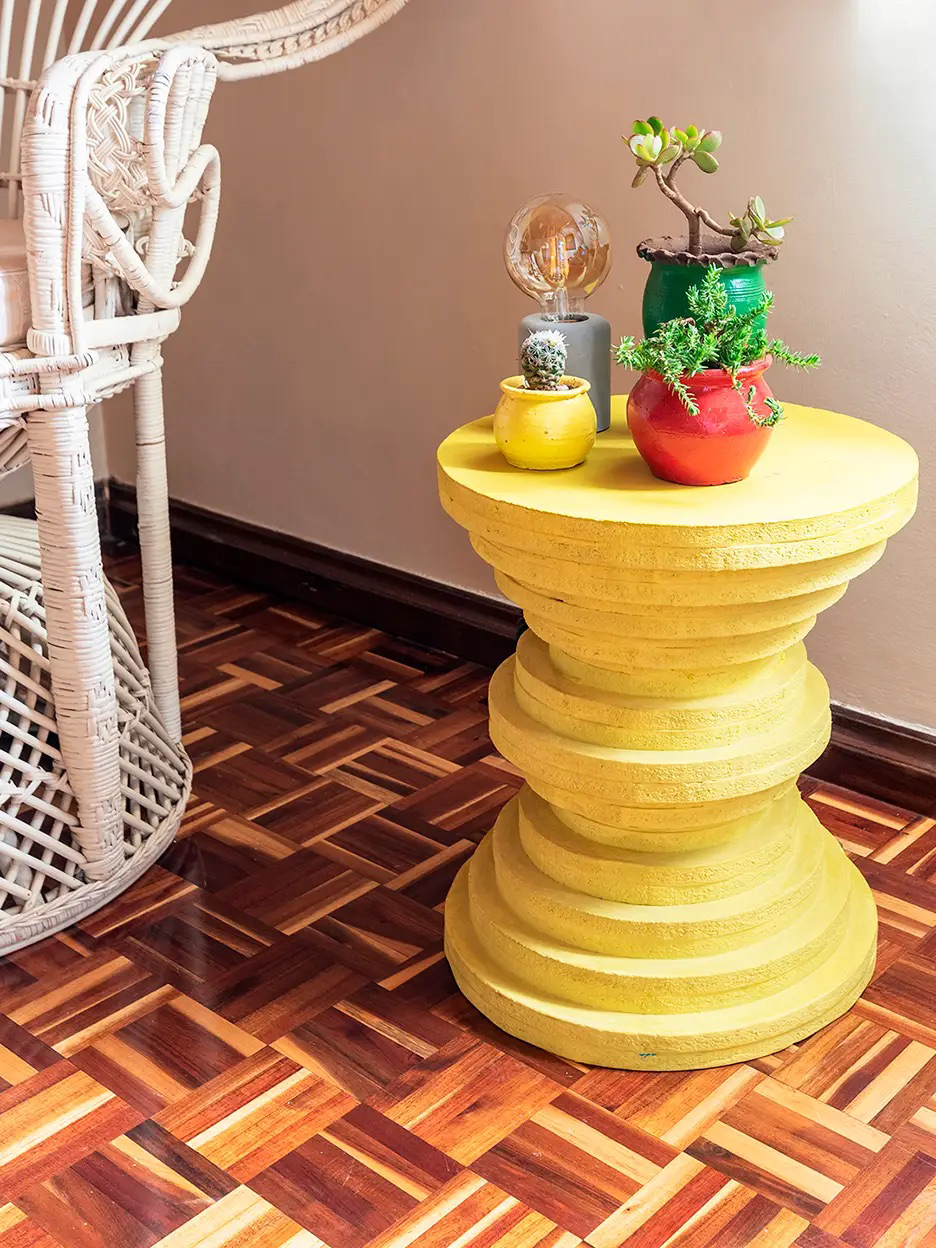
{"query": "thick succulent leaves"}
{"type": "Point", "coordinates": [688, 139]}
{"type": "Point", "coordinates": [653, 144]}
{"type": "Point", "coordinates": [754, 223]}
{"type": "Point", "coordinates": [705, 160]}
{"type": "Point", "coordinates": [646, 147]}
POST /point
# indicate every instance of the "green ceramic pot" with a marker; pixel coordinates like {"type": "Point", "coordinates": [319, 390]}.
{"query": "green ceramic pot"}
{"type": "Point", "coordinates": [671, 277]}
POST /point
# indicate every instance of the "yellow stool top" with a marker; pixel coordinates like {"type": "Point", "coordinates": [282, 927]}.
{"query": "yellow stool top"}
{"type": "Point", "coordinates": [823, 476]}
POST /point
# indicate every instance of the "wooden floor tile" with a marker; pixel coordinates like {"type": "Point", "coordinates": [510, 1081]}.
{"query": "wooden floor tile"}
{"type": "Point", "coordinates": [789, 1146]}
{"type": "Point", "coordinates": [674, 1106]}
{"type": "Point", "coordinates": [872, 1073]}
{"type": "Point", "coordinates": [390, 927]}
{"type": "Point", "coordinates": [242, 1218]}
{"type": "Point", "coordinates": [157, 891]}
{"type": "Point", "coordinates": [290, 981]}
{"type": "Point", "coordinates": [251, 781]}
{"type": "Point", "coordinates": [252, 1115]}
{"type": "Point", "coordinates": [322, 809]}
{"type": "Point", "coordinates": [441, 1101]}
{"type": "Point", "coordinates": [260, 1043]}
{"type": "Point", "coordinates": [22, 1054]}
{"type": "Point", "coordinates": [354, 1179]}
{"type": "Point", "coordinates": [140, 1186]}
{"type": "Point", "coordinates": [906, 903]}
{"type": "Point", "coordinates": [68, 1010]}
{"type": "Point", "coordinates": [366, 1041]}
{"type": "Point", "coordinates": [52, 1120]}
{"type": "Point", "coordinates": [574, 1162]}
{"type": "Point", "coordinates": [17, 1230]}
{"type": "Point", "coordinates": [689, 1205]}
{"type": "Point", "coordinates": [471, 1213]}
{"type": "Point", "coordinates": [379, 848]}
{"type": "Point", "coordinates": [466, 801]}
{"type": "Point", "coordinates": [902, 998]}
{"type": "Point", "coordinates": [265, 719]}
{"type": "Point", "coordinates": [437, 985]}
{"type": "Point", "coordinates": [890, 1204]}
{"type": "Point", "coordinates": [186, 1041]}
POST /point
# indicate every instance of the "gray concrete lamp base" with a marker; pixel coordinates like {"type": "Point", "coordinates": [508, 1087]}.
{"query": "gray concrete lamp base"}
{"type": "Point", "coordinates": [589, 339]}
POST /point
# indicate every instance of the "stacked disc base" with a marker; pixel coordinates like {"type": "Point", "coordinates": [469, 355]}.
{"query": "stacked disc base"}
{"type": "Point", "coordinates": [659, 896]}
{"type": "Point", "coordinates": [754, 956]}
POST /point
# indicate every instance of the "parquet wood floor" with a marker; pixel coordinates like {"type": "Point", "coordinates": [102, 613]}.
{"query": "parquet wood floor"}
{"type": "Point", "coordinates": [260, 1044]}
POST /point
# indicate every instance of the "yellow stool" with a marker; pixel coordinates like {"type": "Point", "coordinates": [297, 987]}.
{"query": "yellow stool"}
{"type": "Point", "coordinates": [659, 896]}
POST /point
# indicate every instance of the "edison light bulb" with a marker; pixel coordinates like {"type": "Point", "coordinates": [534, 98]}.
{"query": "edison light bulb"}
{"type": "Point", "coordinates": [558, 250]}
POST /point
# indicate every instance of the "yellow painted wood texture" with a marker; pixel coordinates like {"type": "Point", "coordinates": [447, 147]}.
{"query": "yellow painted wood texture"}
{"type": "Point", "coordinates": [659, 896]}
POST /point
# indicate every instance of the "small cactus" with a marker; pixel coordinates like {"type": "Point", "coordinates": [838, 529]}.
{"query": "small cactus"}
{"type": "Point", "coordinates": [543, 360]}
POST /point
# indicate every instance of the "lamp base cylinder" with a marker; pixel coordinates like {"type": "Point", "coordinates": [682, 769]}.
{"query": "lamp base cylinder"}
{"type": "Point", "coordinates": [589, 339]}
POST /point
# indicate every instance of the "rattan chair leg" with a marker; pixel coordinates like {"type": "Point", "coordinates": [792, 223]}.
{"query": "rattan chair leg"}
{"type": "Point", "coordinates": [82, 670]}
{"type": "Point", "coordinates": [155, 549]}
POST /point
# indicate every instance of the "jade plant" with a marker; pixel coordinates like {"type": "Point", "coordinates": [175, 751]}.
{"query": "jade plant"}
{"type": "Point", "coordinates": [663, 150]}
{"type": "Point", "coordinates": [714, 335]}
{"type": "Point", "coordinates": [543, 360]}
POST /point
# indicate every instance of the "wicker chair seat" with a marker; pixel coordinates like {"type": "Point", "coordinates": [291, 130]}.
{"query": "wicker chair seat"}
{"type": "Point", "coordinates": [47, 878]}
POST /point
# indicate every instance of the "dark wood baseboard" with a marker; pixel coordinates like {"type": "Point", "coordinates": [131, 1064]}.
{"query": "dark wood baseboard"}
{"type": "Point", "coordinates": [461, 623]}
{"type": "Point", "coordinates": [875, 755]}
{"type": "Point", "coordinates": [26, 510]}
{"type": "Point", "coordinates": [881, 757]}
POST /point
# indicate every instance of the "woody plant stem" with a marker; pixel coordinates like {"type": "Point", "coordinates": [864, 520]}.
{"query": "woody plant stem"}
{"type": "Point", "coordinates": [696, 217]}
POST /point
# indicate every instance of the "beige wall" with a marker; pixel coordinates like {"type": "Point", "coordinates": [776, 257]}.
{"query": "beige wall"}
{"type": "Point", "coordinates": [357, 309]}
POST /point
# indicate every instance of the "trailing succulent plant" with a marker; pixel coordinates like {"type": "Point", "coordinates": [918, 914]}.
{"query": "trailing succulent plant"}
{"type": "Point", "coordinates": [663, 151]}
{"type": "Point", "coordinates": [543, 360]}
{"type": "Point", "coordinates": [714, 335]}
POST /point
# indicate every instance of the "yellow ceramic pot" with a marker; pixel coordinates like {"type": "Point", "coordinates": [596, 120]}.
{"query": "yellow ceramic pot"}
{"type": "Point", "coordinates": [544, 429]}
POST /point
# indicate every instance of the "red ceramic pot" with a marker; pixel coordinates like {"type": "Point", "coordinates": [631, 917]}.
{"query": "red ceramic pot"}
{"type": "Point", "coordinates": [719, 445]}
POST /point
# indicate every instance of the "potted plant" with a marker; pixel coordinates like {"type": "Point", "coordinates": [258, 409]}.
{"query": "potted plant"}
{"type": "Point", "coordinates": [739, 250]}
{"type": "Point", "coordinates": [544, 419]}
{"type": "Point", "coordinates": [701, 412]}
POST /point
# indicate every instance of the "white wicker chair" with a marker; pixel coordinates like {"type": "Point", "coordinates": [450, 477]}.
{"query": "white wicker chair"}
{"type": "Point", "coordinates": [103, 154]}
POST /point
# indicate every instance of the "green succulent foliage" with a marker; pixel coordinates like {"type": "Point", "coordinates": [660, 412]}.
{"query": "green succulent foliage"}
{"type": "Point", "coordinates": [755, 224]}
{"type": "Point", "coordinates": [653, 145]}
{"type": "Point", "coordinates": [543, 360]}
{"type": "Point", "coordinates": [714, 335]}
